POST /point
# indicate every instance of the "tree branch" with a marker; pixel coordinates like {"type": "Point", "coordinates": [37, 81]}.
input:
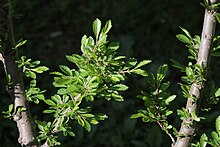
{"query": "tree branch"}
{"type": "Point", "coordinates": [9, 58]}
{"type": "Point", "coordinates": [188, 126]}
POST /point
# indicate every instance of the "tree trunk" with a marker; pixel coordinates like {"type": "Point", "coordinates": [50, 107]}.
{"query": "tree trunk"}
{"type": "Point", "coordinates": [9, 56]}
{"type": "Point", "coordinates": [188, 126]}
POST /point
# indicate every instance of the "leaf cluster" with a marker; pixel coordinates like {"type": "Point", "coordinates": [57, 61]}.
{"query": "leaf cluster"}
{"type": "Point", "coordinates": [157, 100]}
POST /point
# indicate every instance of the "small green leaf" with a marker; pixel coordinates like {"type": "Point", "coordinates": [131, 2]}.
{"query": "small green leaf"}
{"type": "Point", "coordinates": [80, 121]}
{"type": "Point", "coordinates": [183, 38]}
{"type": "Point", "coordinates": [186, 32]}
{"type": "Point", "coordinates": [131, 62]}
{"type": "Point", "coordinates": [117, 97]}
{"type": "Point", "coordinates": [170, 99]}
{"type": "Point", "coordinates": [87, 126]}
{"type": "Point", "coordinates": [10, 108]}
{"type": "Point", "coordinates": [40, 69]}
{"type": "Point", "coordinates": [62, 91]}
{"type": "Point", "coordinates": [77, 59]}
{"type": "Point", "coordinates": [120, 87]}
{"type": "Point", "coordinates": [217, 125]}
{"type": "Point", "coordinates": [71, 133]}
{"type": "Point", "coordinates": [218, 17]}
{"type": "Point", "coordinates": [30, 74]}
{"type": "Point", "coordinates": [66, 70]}
{"type": "Point", "coordinates": [217, 93]}
{"type": "Point", "coordinates": [138, 115]}
{"type": "Point", "coordinates": [215, 135]}
{"type": "Point", "coordinates": [140, 72]}
{"type": "Point", "coordinates": [203, 140]}
{"type": "Point", "coordinates": [87, 115]}
{"type": "Point", "coordinates": [40, 96]}
{"type": "Point", "coordinates": [49, 111]}
{"type": "Point", "coordinates": [116, 78]}
{"type": "Point", "coordinates": [113, 46]}
{"type": "Point", "coordinates": [96, 27]}
{"type": "Point", "coordinates": [161, 72]}
{"type": "Point", "coordinates": [21, 43]}
{"type": "Point", "coordinates": [120, 57]}
{"type": "Point", "coordinates": [168, 113]}
{"type": "Point", "coordinates": [49, 102]}
{"type": "Point", "coordinates": [63, 81]}
{"type": "Point", "coordinates": [107, 27]}
{"type": "Point", "coordinates": [189, 71]}
{"type": "Point", "coordinates": [94, 122]}
{"type": "Point", "coordinates": [33, 83]}
{"type": "Point", "coordinates": [142, 63]}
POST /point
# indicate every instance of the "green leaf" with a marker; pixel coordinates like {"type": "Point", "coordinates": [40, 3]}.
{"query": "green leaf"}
{"type": "Point", "coordinates": [49, 102]}
{"type": "Point", "coordinates": [96, 27]}
{"type": "Point", "coordinates": [93, 121]}
{"type": "Point", "coordinates": [40, 96]}
{"type": "Point", "coordinates": [217, 93]}
{"type": "Point", "coordinates": [10, 108]}
{"type": "Point", "coordinates": [49, 111]}
{"type": "Point", "coordinates": [56, 73]}
{"type": "Point", "coordinates": [113, 46]}
{"type": "Point", "coordinates": [35, 63]}
{"type": "Point", "coordinates": [30, 74]}
{"type": "Point", "coordinates": [33, 83]}
{"type": "Point", "coordinates": [217, 125]}
{"type": "Point", "coordinates": [170, 99]}
{"type": "Point", "coordinates": [116, 78]}
{"type": "Point", "coordinates": [62, 91]}
{"type": "Point", "coordinates": [21, 43]}
{"type": "Point", "coordinates": [142, 63]}
{"type": "Point", "coordinates": [87, 126]}
{"type": "Point", "coordinates": [131, 62]}
{"type": "Point", "coordinates": [77, 59]}
{"type": "Point", "coordinates": [106, 28]}
{"type": "Point", "coordinates": [40, 69]}
{"type": "Point", "coordinates": [84, 40]}
{"type": "Point", "coordinates": [120, 57]}
{"type": "Point", "coordinates": [189, 71]}
{"type": "Point", "coordinates": [117, 97]}
{"type": "Point", "coordinates": [120, 87]}
{"type": "Point", "coordinates": [66, 70]}
{"type": "Point", "coordinates": [168, 113]}
{"type": "Point", "coordinates": [218, 17]}
{"type": "Point", "coordinates": [161, 72]}
{"type": "Point", "coordinates": [63, 81]}
{"type": "Point", "coordinates": [87, 115]}
{"type": "Point", "coordinates": [80, 121]}
{"type": "Point", "coordinates": [186, 32]}
{"type": "Point", "coordinates": [138, 115]}
{"type": "Point", "coordinates": [215, 135]}
{"type": "Point", "coordinates": [183, 38]}
{"type": "Point", "coordinates": [71, 133]}
{"type": "Point", "coordinates": [203, 140]}
{"type": "Point", "coordinates": [140, 72]}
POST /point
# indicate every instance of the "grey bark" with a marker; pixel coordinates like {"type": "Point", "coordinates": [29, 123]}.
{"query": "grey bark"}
{"type": "Point", "coordinates": [8, 57]}
{"type": "Point", "coordinates": [188, 126]}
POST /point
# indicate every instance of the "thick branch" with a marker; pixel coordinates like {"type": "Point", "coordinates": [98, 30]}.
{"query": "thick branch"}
{"type": "Point", "coordinates": [188, 126]}
{"type": "Point", "coordinates": [9, 56]}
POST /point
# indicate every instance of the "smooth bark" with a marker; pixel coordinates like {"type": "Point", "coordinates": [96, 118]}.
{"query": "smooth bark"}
{"type": "Point", "coordinates": [16, 89]}
{"type": "Point", "coordinates": [188, 126]}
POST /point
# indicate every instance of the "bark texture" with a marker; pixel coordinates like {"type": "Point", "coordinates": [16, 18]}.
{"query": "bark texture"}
{"type": "Point", "coordinates": [16, 89]}
{"type": "Point", "coordinates": [188, 126]}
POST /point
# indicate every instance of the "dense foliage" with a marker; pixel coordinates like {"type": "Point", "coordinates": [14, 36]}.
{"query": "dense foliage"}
{"type": "Point", "coordinates": [50, 39]}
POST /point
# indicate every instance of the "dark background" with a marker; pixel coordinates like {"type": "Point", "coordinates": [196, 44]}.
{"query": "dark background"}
{"type": "Point", "coordinates": [145, 30]}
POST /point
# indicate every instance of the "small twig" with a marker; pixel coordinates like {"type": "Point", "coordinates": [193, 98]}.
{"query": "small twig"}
{"type": "Point", "coordinates": [171, 137]}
